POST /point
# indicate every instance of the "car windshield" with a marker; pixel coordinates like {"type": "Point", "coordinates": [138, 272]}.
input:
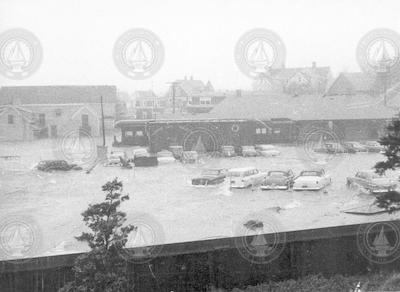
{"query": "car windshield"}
{"type": "Point", "coordinates": [211, 172]}
{"type": "Point", "coordinates": [310, 173]}
{"type": "Point", "coordinates": [276, 173]}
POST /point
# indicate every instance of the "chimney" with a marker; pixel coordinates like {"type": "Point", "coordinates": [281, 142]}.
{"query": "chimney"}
{"type": "Point", "coordinates": [314, 65]}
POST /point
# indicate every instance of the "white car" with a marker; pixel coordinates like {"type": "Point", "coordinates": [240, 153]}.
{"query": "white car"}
{"type": "Point", "coordinates": [140, 152]}
{"type": "Point", "coordinates": [165, 156]}
{"type": "Point", "coordinates": [248, 151]}
{"type": "Point", "coordinates": [245, 177]}
{"type": "Point", "coordinates": [267, 150]}
{"type": "Point", "coordinates": [312, 180]}
{"type": "Point", "coordinates": [114, 159]}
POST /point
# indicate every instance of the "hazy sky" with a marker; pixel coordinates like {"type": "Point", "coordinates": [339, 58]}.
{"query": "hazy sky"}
{"type": "Point", "coordinates": [199, 36]}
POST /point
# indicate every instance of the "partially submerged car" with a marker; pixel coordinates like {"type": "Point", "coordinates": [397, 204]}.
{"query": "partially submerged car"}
{"type": "Point", "coordinates": [374, 146]}
{"type": "Point", "coordinates": [50, 165]}
{"type": "Point", "coordinates": [357, 146]}
{"type": "Point", "coordinates": [371, 181]}
{"type": "Point", "coordinates": [248, 151]}
{"type": "Point", "coordinates": [209, 177]}
{"type": "Point", "coordinates": [267, 150]}
{"type": "Point", "coordinates": [278, 180]}
{"type": "Point", "coordinates": [116, 158]}
{"type": "Point", "coordinates": [314, 180]}
{"type": "Point", "coordinates": [228, 151]}
{"type": "Point", "coordinates": [245, 177]}
{"type": "Point", "coordinates": [177, 151]}
{"type": "Point", "coordinates": [165, 156]}
{"type": "Point", "coordinates": [190, 157]}
{"type": "Point", "coordinates": [140, 152]}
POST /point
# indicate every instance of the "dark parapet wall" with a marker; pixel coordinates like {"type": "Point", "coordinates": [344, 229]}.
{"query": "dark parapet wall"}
{"type": "Point", "coordinates": [195, 266]}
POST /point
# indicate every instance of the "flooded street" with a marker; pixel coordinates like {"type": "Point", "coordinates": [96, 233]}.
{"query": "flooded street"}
{"type": "Point", "coordinates": [55, 200]}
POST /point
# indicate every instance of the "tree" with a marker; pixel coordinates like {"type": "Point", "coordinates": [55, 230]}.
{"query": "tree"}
{"type": "Point", "coordinates": [102, 269]}
{"type": "Point", "coordinates": [390, 201]}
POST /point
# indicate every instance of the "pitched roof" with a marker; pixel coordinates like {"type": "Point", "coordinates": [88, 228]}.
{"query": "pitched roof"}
{"type": "Point", "coordinates": [57, 94]}
{"type": "Point", "coordinates": [350, 83]}
{"type": "Point", "coordinates": [190, 87]}
{"type": "Point", "coordinates": [287, 73]}
{"type": "Point", "coordinates": [304, 107]}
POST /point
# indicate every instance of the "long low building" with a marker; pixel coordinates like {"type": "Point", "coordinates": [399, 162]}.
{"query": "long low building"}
{"type": "Point", "coordinates": [265, 118]}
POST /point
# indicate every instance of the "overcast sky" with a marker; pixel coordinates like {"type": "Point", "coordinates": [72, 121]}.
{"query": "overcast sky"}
{"type": "Point", "coordinates": [199, 36]}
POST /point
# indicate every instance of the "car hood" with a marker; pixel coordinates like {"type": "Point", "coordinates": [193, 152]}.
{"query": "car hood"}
{"type": "Point", "coordinates": [308, 179]}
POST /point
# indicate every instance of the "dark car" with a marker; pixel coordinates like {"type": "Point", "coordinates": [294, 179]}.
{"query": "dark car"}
{"type": "Point", "coordinates": [50, 165]}
{"type": "Point", "coordinates": [210, 177]}
{"type": "Point", "coordinates": [278, 180]}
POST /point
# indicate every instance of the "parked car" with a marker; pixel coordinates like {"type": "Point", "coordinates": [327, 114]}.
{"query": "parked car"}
{"type": "Point", "coordinates": [190, 157]}
{"type": "Point", "coordinates": [278, 180]}
{"type": "Point", "coordinates": [267, 150]}
{"type": "Point", "coordinates": [115, 158]}
{"type": "Point", "coordinates": [311, 180]}
{"type": "Point", "coordinates": [349, 148]}
{"type": "Point", "coordinates": [140, 152]}
{"type": "Point", "coordinates": [248, 151]}
{"type": "Point", "coordinates": [374, 146]}
{"type": "Point", "coordinates": [372, 182]}
{"type": "Point", "coordinates": [145, 161]}
{"type": "Point", "coordinates": [50, 165]}
{"type": "Point", "coordinates": [228, 151]}
{"type": "Point", "coordinates": [165, 156]}
{"type": "Point", "coordinates": [245, 177]}
{"type": "Point", "coordinates": [177, 151]}
{"type": "Point", "coordinates": [330, 148]}
{"type": "Point", "coordinates": [358, 147]}
{"type": "Point", "coordinates": [209, 177]}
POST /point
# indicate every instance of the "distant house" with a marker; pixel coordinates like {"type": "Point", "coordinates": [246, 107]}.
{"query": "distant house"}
{"type": "Point", "coordinates": [147, 104]}
{"type": "Point", "coordinates": [354, 83]}
{"type": "Point", "coordinates": [53, 111]}
{"type": "Point", "coordinates": [302, 80]}
{"type": "Point", "coordinates": [192, 95]}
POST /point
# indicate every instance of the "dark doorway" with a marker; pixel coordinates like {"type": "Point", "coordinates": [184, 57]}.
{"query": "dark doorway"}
{"type": "Point", "coordinates": [53, 131]}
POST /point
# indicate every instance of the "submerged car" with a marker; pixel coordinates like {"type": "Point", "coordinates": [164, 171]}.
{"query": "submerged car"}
{"type": "Point", "coordinates": [165, 156]}
{"type": "Point", "coordinates": [177, 151]}
{"type": "Point", "coordinates": [140, 152]}
{"type": "Point", "coordinates": [245, 177]}
{"type": "Point", "coordinates": [213, 176]}
{"type": "Point", "coordinates": [372, 182]}
{"type": "Point", "coordinates": [248, 151]}
{"type": "Point", "coordinates": [374, 146]}
{"type": "Point", "coordinates": [190, 157]}
{"type": "Point", "coordinates": [116, 158]}
{"type": "Point", "coordinates": [311, 180]}
{"type": "Point", "coordinates": [278, 180]}
{"type": "Point", "coordinates": [50, 165]}
{"type": "Point", "coordinates": [228, 151]}
{"type": "Point", "coordinates": [357, 146]}
{"type": "Point", "coordinates": [267, 150]}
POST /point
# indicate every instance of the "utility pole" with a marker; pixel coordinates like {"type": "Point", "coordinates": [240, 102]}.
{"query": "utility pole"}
{"type": "Point", "coordinates": [102, 120]}
{"type": "Point", "coordinates": [173, 84]}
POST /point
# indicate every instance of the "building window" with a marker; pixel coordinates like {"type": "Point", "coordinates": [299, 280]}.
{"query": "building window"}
{"type": "Point", "coordinates": [58, 112]}
{"type": "Point", "coordinates": [42, 120]}
{"type": "Point", "coordinates": [264, 131]}
{"type": "Point", "coordinates": [150, 103]}
{"type": "Point", "coordinates": [277, 131]}
{"type": "Point", "coordinates": [10, 119]}
{"type": "Point", "coordinates": [258, 131]}
{"type": "Point", "coordinates": [128, 133]}
{"type": "Point", "coordinates": [139, 133]}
